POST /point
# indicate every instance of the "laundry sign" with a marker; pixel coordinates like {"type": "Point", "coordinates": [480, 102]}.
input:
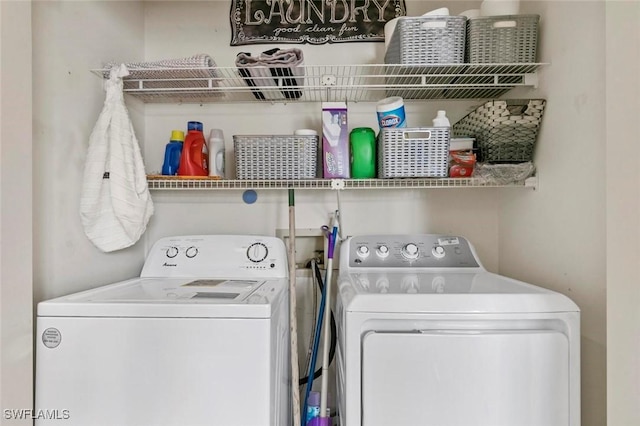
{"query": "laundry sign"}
{"type": "Point", "coordinates": [311, 21]}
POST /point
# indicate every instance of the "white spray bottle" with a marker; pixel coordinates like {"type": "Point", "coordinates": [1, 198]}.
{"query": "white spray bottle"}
{"type": "Point", "coordinates": [216, 153]}
{"type": "Point", "coordinates": [441, 119]}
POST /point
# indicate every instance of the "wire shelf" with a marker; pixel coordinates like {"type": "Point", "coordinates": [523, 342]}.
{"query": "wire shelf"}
{"type": "Point", "coordinates": [357, 83]}
{"type": "Point", "coordinates": [156, 183]}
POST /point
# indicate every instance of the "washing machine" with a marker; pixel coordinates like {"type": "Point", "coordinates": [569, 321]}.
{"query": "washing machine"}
{"type": "Point", "coordinates": [201, 337]}
{"type": "Point", "coordinates": [427, 336]}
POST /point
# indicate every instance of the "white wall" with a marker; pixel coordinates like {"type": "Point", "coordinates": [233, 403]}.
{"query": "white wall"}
{"type": "Point", "coordinates": [623, 212]}
{"type": "Point", "coordinates": [69, 39]}
{"type": "Point", "coordinates": [16, 358]}
{"type": "Point", "coordinates": [555, 236]}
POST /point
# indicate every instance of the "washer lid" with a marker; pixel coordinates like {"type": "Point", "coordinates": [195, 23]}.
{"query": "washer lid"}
{"type": "Point", "coordinates": [172, 297]}
{"type": "Point", "coordinates": [443, 292]}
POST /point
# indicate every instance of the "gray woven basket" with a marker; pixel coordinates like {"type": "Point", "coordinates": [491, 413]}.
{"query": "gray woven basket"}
{"type": "Point", "coordinates": [505, 130]}
{"type": "Point", "coordinates": [413, 152]}
{"type": "Point", "coordinates": [427, 40]}
{"type": "Point", "coordinates": [508, 39]}
{"type": "Point", "coordinates": [275, 157]}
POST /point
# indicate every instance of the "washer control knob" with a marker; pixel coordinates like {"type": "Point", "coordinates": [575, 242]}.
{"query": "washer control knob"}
{"type": "Point", "coordinates": [382, 251]}
{"type": "Point", "coordinates": [362, 251]}
{"type": "Point", "coordinates": [191, 252]}
{"type": "Point", "coordinates": [257, 252]}
{"type": "Point", "coordinates": [172, 252]}
{"type": "Point", "coordinates": [410, 251]}
{"type": "Point", "coordinates": [438, 252]}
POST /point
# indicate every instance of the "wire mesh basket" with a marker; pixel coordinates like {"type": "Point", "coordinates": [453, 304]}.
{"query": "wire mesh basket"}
{"type": "Point", "coordinates": [505, 130]}
{"type": "Point", "coordinates": [508, 39]}
{"type": "Point", "coordinates": [275, 156]}
{"type": "Point", "coordinates": [427, 40]}
{"type": "Point", "coordinates": [413, 152]}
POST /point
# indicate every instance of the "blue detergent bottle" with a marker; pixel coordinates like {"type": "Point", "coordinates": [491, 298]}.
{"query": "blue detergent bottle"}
{"type": "Point", "coordinates": [172, 153]}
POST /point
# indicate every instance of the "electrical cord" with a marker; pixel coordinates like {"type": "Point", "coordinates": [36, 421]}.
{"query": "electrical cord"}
{"type": "Point", "coordinates": [332, 348]}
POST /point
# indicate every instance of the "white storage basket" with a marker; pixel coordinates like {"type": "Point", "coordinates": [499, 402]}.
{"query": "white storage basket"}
{"type": "Point", "coordinates": [276, 157]}
{"type": "Point", "coordinates": [413, 152]}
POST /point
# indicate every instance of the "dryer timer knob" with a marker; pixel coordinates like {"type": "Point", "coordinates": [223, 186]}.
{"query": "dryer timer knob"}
{"type": "Point", "coordinates": [410, 251]}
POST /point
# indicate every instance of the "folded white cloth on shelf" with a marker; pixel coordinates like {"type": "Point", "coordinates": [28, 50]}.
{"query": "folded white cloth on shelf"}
{"type": "Point", "coordinates": [192, 71]}
{"type": "Point", "coordinates": [274, 74]}
{"type": "Point", "coordinates": [115, 204]}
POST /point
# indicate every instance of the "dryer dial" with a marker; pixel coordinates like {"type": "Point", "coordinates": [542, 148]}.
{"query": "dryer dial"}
{"type": "Point", "coordinates": [438, 252]}
{"type": "Point", "coordinates": [363, 252]}
{"type": "Point", "coordinates": [382, 251]}
{"type": "Point", "coordinates": [257, 252]}
{"type": "Point", "coordinates": [172, 252]}
{"type": "Point", "coordinates": [410, 251]}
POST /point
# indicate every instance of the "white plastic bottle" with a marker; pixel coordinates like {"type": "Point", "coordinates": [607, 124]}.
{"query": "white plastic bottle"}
{"type": "Point", "coordinates": [216, 153]}
{"type": "Point", "coordinates": [441, 120]}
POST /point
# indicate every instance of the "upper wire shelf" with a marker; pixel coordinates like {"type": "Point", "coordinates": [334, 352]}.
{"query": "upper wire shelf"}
{"type": "Point", "coordinates": [169, 183]}
{"type": "Point", "coordinates": [319, 83]}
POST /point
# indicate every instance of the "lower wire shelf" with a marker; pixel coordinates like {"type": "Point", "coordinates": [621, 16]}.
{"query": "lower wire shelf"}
{"type": "Point", "coordinates": [185, 183]}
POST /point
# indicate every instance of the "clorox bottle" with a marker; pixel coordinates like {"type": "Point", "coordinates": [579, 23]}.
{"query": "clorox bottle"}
{"type": "Point", "coordinates": [195, 155]}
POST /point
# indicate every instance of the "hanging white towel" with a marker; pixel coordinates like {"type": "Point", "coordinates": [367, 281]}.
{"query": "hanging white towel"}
{"type": "Point", "coordinates": [115, 204]}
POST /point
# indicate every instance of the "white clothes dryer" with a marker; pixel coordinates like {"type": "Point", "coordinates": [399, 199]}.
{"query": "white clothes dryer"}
{"type": "Point", "coordinates": [427, 336]}
{"type": "Point", "coordinates": [200, 338]}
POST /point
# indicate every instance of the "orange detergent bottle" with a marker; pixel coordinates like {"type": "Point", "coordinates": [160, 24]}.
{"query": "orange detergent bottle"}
{"type": "Point", "coordinates": [195, 155]}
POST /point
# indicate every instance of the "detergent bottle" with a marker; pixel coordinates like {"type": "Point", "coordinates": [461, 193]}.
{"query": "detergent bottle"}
{"type": "Point", "coordinates": [172, 153]}
{"type": "Point", "coordinates": [216, 153]}
{"type": "Point", "coordinates": [195, 155]}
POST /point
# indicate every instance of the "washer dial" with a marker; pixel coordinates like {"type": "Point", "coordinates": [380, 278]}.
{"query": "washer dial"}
{"type": "Point", "coordinates": [257, 252]}
{"type": "Point", "coordinates": [172, 252]}
{"type": "Point", "coordinates": [191, 252]}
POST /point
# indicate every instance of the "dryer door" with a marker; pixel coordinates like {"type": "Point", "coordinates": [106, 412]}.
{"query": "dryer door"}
{"type": "Point", "coordinates": [462, 378]}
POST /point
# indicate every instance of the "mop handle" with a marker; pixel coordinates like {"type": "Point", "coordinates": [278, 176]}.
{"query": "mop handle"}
{"type": "Point", "coordinates": [293, 320]}
{"type": "Point", "coordinates": [327, 321]}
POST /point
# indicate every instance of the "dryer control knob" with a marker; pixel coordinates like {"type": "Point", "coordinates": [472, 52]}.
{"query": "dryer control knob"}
{"type": "Point", "coordinates": [438, 252]}
{"type": "Point", "coordinates": [382, 251]}
{"type": "Point", "coordinates": [172, 252]}
{"type": "Point", "coordinates": [410, 251]}
{"type": "Point", "coordinates": [362, 251]}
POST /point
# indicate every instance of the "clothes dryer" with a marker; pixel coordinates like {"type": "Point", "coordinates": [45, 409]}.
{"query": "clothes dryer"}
{"type": "Point", "coordinates": [427, 336]}
{"type": "Point", "coordinates": [200, 338]}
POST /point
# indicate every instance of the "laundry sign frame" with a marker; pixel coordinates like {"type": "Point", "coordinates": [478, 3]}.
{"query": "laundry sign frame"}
{"type": "Point", "coordinates": [311, 21]}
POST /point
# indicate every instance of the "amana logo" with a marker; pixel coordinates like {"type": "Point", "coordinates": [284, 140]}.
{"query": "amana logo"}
{"type": "Point", "coordinates": [169, 264]}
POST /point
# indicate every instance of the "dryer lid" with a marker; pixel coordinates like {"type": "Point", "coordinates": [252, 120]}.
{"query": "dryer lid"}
{"type": "Point", "coordinates": [443, 292]}
{"type": "Point", "coordinates": [172, 297]}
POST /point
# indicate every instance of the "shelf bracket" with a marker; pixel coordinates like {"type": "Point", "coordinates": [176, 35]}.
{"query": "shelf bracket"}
{"type": "Point", "coordinates": [329, 80]}
{"type": "Point", "coordinates": [337, 184]}
{"type": "Point", "coordinates": [531, 79]}
{"type": "Point", "coordinates": [531, 182]}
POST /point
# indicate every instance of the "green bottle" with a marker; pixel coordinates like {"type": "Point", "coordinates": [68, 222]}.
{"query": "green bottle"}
{"type": "Point", "coordinates": [363, 153]}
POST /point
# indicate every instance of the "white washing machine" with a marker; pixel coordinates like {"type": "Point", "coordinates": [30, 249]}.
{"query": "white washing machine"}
{"type": "Point", "coordinates": [426, 336]}
{"type": "Point", "coordinates": [200, 338]}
